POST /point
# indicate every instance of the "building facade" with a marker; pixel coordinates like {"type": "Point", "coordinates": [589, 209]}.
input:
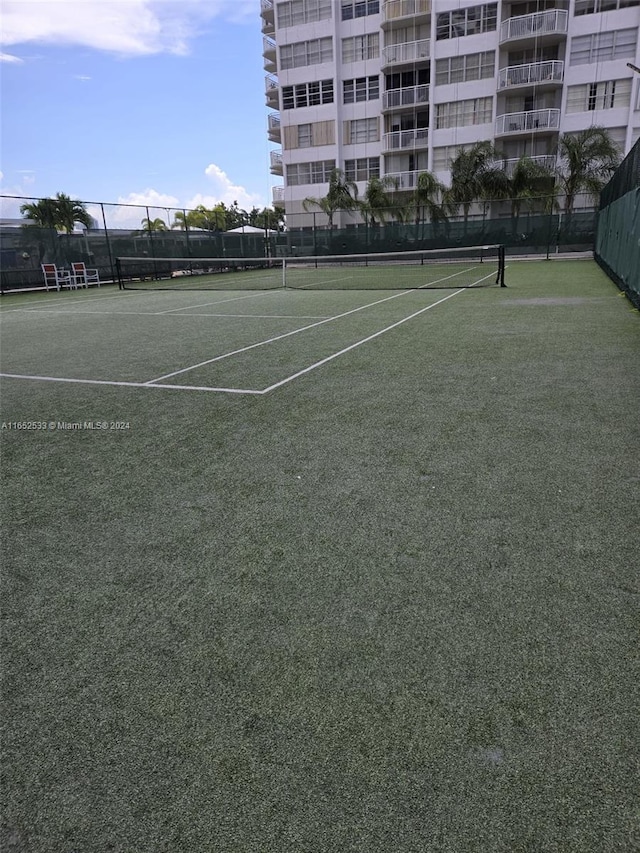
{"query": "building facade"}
{"type": "Point", "coordinates": [397, 87]}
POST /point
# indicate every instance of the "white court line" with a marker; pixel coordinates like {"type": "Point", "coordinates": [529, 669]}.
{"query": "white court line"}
{"type": "Point", "coordinates": [297, 331]}
{"type": "Point", "coordinates": [221, 301]}
{"type": "Point", "coordinates": [201, 314]}
{"type": "Point", "coordinates": [58, 299]}
{"type": "Point", "coordinates": [359, 343]}
{"type": "Point", "coordinates": [131, 384]}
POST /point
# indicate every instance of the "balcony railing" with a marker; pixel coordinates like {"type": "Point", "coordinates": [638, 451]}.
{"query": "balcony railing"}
{"type": "Point", "coordinates": [276, 162]}
{"type": "Point", "coordinates": [401, 139]}
{"type": "Point", "coordinates": [394, 9]}
{"type": "Point", "coordinates": [405, 180]}
{"type": "Point", "coordinates": [268, 47]}
{"type": "Point", "coordinates": [547, 161]}
{"type": "Point", "coordinates": [405, 97]}
{"type": "Point", "coordinates": [534, 72]}
{"type": "Point", "coordinates": [277, 195]}
{"type": "Point", "coordinates": [411, 51]}
{"type": "Point", "coordinates": [525, 122]}
{"type": "Point", "coordinates": [273, 127]}
{"type": "Point", "coordinates": [534, 25]}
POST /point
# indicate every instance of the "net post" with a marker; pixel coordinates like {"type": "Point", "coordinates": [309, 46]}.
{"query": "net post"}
{"type": "Point", "coordinates": [119, 274]}
{"type": "Point", "coordinates": [501, 265]}
{"type": "Point", "coordinates": [284, 271]}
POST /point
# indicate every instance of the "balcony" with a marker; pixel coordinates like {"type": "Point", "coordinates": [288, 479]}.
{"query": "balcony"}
{"type": "Point", "coordinates": [530, 121]}
{"type": "Point", "coordinates": [267, 15]}
{"type": "Point", "coordinates": [538, 73]}
{"type": "Point", "coordinates": [537, 25]}
{"type": "Point", "coordinates": [269, 52]}
{"type": "Point", "coordinates": [273, 125]}
{"type": "Point", "coordinates": [272, 91]}
{"type": "Point", "coordinates": [394, 10]}
{"type": "Point", "coordinates": [277, 196]}
{"type": "Point", "coordinates": [405, 97]}
{"type": "Point", "coordinates": [276, 162]}
{"type": "Point", "coordinates": [405, 180]}
{"type": "Point", "coordinates": [546, 161]}
{"type": "Point", "coordinates": [402, 140]}
{"type": "Point", "coordinates": [411, 51]}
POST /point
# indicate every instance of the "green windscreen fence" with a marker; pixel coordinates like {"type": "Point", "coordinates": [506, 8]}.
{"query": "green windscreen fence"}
{"type": "Point", "coordinates": [617, 248]}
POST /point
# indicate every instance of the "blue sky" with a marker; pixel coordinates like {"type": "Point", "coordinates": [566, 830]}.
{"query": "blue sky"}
{"type": "Point", "coordinates": [157, 102]}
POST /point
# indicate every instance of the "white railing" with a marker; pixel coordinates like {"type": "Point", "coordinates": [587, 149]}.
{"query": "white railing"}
{"type": "Point", "coordinates": [277, 195]}
{"type": "Point", "coordinates": [393, 9]}
{"type": "Point", "coordinates": [273, 127]}
{"type": "Point", "coordinates": [547, 161]}
{"type": "Point", "coordinates": [270, 83]}
{"type": "Point", "coordinates": [276, 160]}
{"type": "Point", "coordinates": [416, 138]}
{"type": "Point", "coordinates": [405, 97]}
{"type": "Point", "coordinates": [411, 51]}
{"type": "Point", "coordinates": [404, 180]}
{"type": "Point", "coordinates": [534, 72]}
{"type": "Point", "coordinates": [536, 24]}
{"type": "Point", "coordinates": [266, 6]}
{"type": "Point", "coordinates": [268, 46]}
{"type": "Point", "coordinates": [531, 120]}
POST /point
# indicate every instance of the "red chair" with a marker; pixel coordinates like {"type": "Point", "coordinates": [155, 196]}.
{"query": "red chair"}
{"type": "Point", "coordinates": [56, 277]}
{"type": "Point", "coordinates": [83, 277]}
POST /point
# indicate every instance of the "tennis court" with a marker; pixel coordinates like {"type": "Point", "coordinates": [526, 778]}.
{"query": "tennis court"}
{"type": "Point", "coordinates": [322, 569]}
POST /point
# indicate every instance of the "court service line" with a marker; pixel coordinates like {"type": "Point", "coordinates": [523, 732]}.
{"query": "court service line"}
{"type": "Point", "coordinates": [297, 331]}
{"type": "Point", "coordinates": [131, 384]}
{"type": "Point", "coordinates": [365, 340]}
{"type": "Point", "coordinates": [201, 314]}
{"type": "Point", "coordinates": [56, 300]}
{"type": "Point", "coordinates": [221, 301]}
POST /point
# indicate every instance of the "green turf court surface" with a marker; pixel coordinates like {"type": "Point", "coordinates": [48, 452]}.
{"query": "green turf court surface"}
{"type": "Point", "coordinates": [361, 577]}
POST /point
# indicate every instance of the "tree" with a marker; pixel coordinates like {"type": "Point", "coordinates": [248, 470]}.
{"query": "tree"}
{"type": "Point", "coordinates": [341, 195]}
{"type": "Point", "coordinates": [149, 225]}
{"type": "Point", "coordinates": [70, 211]}
{"type": "Point", "coordinates": [475, 176]}
{"type": "Point", "coordinates": [587, 161]}
{"type": "Point", "coordinates": [43, 213]}
{"type": "Point", "coordinates": [378, 203]}
{"type": "Point", "coordinates": [431, 198]}
{"type": "Point", "coordinates": [528, 180]}
{"type": "Point", "coordinates": [61, 213]}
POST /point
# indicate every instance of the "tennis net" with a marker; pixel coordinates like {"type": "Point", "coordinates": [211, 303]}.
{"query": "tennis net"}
{"type": "Point", "coordinates": [469, 266]}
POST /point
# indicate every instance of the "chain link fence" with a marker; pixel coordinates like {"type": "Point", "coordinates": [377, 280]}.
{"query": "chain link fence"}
{"type": "Point", "coordinates": [155, 232]}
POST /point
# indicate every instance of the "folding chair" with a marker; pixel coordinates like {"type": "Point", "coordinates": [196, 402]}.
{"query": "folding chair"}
{"type": "Point", "coordinates": [57, 278]}
{"type": "Point", "coordinates": [82, 276]}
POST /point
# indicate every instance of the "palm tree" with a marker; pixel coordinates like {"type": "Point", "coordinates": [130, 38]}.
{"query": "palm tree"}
{"type": "Point", "coordinates": [587, 161]}
{"type": "Point", "coordinates": [70, 211]}
{"type": "Point", "coordinates": [431, 199]}
{"type": "Point", "coordinates": [43, 213]}
{"type": "Point", "coordinates": [149, 225]}
{"type": "Point", "coordinates": [341, 195]}
{"type": "Point", "coordinates": [528, 180]}
{"type": "Point", "coordinates": [378, 203]}
{"type": "Point", "coordinates": [475, 176]}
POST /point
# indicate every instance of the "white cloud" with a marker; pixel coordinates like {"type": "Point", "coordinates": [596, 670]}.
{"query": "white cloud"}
{"type": "Point", "coordinates": [8, 57]}
{"type": "Point", "coordinates": [124, 27]}
{"type": "Point", "coordinates": [228, 192]}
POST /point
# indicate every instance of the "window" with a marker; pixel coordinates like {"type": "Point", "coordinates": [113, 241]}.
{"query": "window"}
{"type": "Point", "coordinates": [464, 113]}
{"type": "Point", "coordinates": [360, 89]}
{"type": "Point", "coordinates": [460, 69]}
{"type": "Point", "coordinates": [362, 169]}
{"type": "Point", "coordinates": [304, 136]}
{"type": "Point", "coordinates": [599, 96]}
{"type": "Point", "coordinates": [443, 156]}
{"type": "Point", "coordinates": [359, 8]}
{"type": "Point", "coordinates": [467, 22]}
{"type": "Point", "coordinates": [296, 12]}
{"type": "Point", "coordinates": [600, 47]}
{"type": "Point", "coordinates": [588, 7]}
{"type": "Point", "coordinates": [358, 48]}
{"type": "Point", "coordinates": [317, 172]}
{"type": "Point", "coordinates": [307, 94]}
{"type": "Point", "coordinates": [361, 130]}
{"type": "Point", "coordinates": [304, 53]}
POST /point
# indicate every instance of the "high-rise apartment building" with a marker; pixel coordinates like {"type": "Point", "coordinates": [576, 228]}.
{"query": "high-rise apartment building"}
{"type": "Point", "coordinates": [396, 87]}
